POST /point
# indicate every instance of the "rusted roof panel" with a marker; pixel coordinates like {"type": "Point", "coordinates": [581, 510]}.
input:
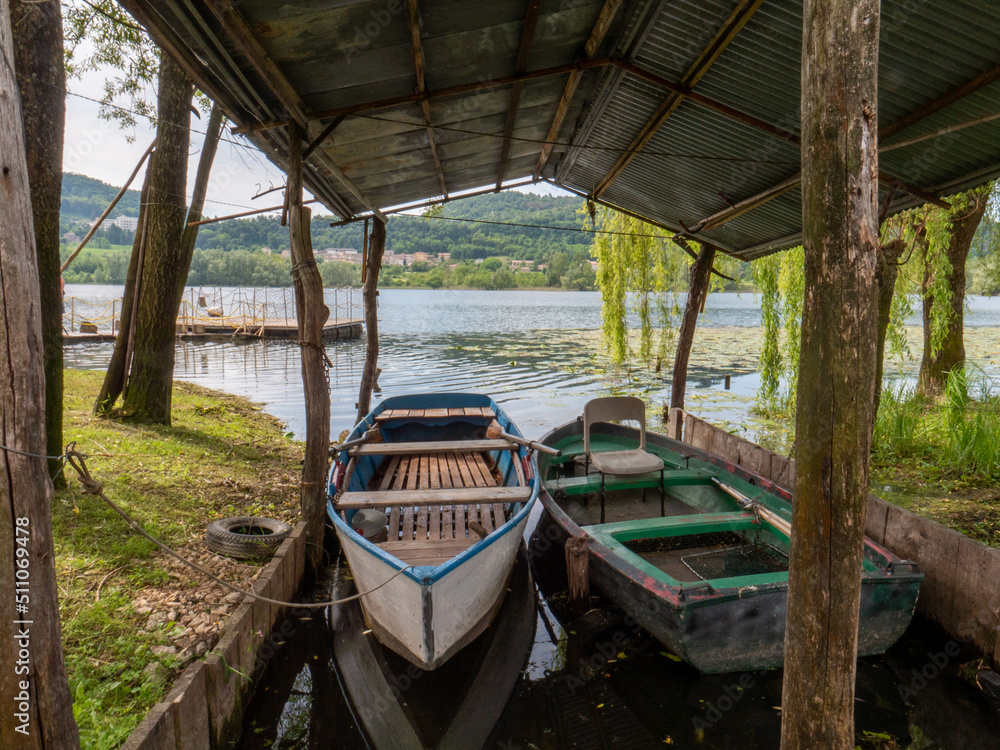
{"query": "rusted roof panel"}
{"type": "Point", "coordinates": [268, 63]}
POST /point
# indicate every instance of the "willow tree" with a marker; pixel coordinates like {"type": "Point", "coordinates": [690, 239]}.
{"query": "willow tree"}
{"type": "Point", "coordinates": [641, 261]}
{"type": "Point", "coordinates": [945, 251]}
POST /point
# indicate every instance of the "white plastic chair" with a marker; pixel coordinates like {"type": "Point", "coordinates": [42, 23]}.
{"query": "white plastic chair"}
{"type": "Point", "coordinates": [619, 463]}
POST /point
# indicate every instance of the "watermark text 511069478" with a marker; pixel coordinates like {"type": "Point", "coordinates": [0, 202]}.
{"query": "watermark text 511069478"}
{"type": "Point", "coordinates": [22, 626]}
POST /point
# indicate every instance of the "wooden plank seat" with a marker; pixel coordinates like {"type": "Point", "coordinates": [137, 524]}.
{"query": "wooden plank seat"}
{"type": "Point", "coordinates": [470, 411]}
{"type": "Point", "coordinates": [592, 482]}
{"type": "Point", "coordinates": [433, 446]}
{"type": "Point", "coordinates": [416, 498]}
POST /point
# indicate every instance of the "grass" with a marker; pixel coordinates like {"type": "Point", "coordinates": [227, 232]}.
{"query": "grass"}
{"type": "Point", "coordinates": [221, 457]}
{"type": "Point", "coordinates": [941, 458]}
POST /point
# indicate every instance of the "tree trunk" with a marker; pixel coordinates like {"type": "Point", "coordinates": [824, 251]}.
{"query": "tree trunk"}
{"type": "Point", "coordinates": [37, 708]}
{"type": "Point", "coordinates": [935, 366]}
{"type": "Point", "coordinates": [165, 268]}
{"type": "Point", "coordinates": [836, 371]}
{"type": "Point", "coordinates": [205, 162]}
{"type": "Point", "coordinates": [886, 273]}
{"type": "Point", "coordinates": [701, 272]}
{"type": "Point", "coordinates": [312, 314]}
{"type": "Point", "coordinates": [41, 78]}
{"type": "Point", "coordinates": [114, 377]}
{"type": "Point", "coordinates": [376, 246]}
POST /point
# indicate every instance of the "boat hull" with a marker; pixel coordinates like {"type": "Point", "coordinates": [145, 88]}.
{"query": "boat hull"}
{"type": "Point", "coordinates": [718, 629]}
{"type": "Point", "coordinates": [427, 619]}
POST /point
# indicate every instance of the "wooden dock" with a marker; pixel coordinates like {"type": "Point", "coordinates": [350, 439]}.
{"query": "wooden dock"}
{"type": "Point", "coordinates": [239, 328]}
{"type": "Point", "coordinates": [270, 328]}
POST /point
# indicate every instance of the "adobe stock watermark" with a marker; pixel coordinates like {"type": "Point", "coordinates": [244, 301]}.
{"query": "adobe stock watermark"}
{"type": "Point", "coordinates": [378, 22]}
{"type": "Point", "coordinates": [731, 695]}
{"type": "Point", "coordinates": [920, 678]}
{"type": "Point", "coordinates": [22, 627]}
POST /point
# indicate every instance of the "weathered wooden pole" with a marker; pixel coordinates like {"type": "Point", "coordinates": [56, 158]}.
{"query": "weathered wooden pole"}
{"type": "Point", "coordinates": [37, 707]}
{"type": "Point", "coordinates": [577, 551]}
{"type": "Point", "coordinates": [836, 370]}
{"type": "Point", "coordinates": [312, 313]}
{"type": "Point", "coordinates": [40, 67]}
{"type": "Point", "coordinates": [701, 272]}
{"type": "Point", "coordinates": [376, 246]}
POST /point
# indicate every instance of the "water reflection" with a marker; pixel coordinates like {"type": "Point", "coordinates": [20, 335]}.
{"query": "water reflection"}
{"type": "Point", "coordinates": [595, 681]}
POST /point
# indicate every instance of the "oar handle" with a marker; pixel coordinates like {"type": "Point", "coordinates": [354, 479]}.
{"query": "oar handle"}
{"type": "Point", "coordinates": [495, 432]}
{"type": "Point", "coordinates": [745, 502]}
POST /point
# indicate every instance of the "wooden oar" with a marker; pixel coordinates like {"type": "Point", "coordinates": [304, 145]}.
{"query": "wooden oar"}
{"type": "Point", "coordinates": [496, 432]}
{"type": "Point", "coordinates": [763, 511]}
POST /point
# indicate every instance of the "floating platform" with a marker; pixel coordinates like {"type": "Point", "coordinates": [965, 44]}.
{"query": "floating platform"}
{"type": "Point", "coordinates": [239, 328]}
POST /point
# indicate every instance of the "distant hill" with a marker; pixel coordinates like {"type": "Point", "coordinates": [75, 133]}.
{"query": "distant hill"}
{"type": "Point", "coordinates": [84, 198]}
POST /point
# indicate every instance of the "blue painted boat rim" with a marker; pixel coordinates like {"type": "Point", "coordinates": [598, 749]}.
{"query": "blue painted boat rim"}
{"type": "Point", "coordinates": [427, 575]}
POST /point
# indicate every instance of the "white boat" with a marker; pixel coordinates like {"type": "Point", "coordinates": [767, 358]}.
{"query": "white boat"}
{"type": "Point", "coordinates": [430, 514]}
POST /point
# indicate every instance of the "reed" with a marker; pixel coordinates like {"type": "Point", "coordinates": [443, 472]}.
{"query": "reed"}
{"type": "Point", "coordinates": [960, 432]}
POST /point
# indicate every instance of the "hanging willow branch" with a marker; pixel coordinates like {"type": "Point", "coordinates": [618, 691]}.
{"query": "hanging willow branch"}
{"type": "Point", "coordinates": [638, 260]}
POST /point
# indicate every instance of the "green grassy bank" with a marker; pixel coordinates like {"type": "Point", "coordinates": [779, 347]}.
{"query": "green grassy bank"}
{"type": "Point", "coordinates": [131, 618]}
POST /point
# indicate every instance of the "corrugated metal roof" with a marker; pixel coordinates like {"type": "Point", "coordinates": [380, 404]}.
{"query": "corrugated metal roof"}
{"type": "Point", "coordinates": [316, 60]}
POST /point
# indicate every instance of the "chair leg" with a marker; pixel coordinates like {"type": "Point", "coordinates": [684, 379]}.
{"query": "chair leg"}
{"type": "Point", "coordinates": [662, 511]}
{"type": "Point", "coordinates": [602, 497]}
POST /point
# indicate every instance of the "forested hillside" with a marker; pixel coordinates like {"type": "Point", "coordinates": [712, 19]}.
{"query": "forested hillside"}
{"type": "Point", "coordinates": [85, 198]}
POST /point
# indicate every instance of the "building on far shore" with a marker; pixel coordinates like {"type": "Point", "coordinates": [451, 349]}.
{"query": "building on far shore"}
{"type": "Point", "coordinates": [127, 223]}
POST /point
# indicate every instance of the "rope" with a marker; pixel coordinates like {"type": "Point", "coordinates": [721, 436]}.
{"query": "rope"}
{"type": "Point", "coordinates": [92, 487]}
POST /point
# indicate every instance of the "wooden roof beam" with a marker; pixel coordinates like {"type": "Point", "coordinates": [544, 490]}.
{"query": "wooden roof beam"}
{"type": "Point", "coordinates": [523, 53]}
{"type": "Point", "coordinates": [246, 41]}
{"type": "Point", "coordinates": [969, 87]}
{"type": "Point", "coordinates": [413, 19]}
{"type": "Point", "coordinates": [728, 31]}
{"type": "Point", "coordinates": [597, 34]}
{"type": "Point", "coordinates": [463, 88]}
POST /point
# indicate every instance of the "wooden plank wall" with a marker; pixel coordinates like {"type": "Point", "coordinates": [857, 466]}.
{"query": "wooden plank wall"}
{"type": "Point", "coordinates": [960, 591]}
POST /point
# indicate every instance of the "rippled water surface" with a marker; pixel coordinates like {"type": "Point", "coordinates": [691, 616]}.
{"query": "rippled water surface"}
{"type": "Point", "coordinates": [538, 353]}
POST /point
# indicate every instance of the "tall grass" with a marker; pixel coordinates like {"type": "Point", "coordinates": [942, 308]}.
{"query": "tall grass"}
{"type": "Point", "coordinates": [960, 431]}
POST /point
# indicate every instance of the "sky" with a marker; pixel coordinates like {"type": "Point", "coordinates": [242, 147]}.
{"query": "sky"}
{"type": "Point", "coordinates": [101, 149]}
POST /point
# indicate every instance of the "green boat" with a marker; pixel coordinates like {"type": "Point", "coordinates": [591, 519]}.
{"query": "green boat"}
{"type": "Point", "coordinates": [697, 549]}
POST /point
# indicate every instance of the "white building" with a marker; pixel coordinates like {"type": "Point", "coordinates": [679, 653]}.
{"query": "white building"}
{"type": "Point", "coordinates": [127, 223]}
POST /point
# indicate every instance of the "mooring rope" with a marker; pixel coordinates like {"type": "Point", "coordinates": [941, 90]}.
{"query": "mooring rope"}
{"type": "Point", "coordinates": [92, 487]}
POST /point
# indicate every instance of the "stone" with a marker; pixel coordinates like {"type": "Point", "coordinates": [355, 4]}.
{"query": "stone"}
{"type": "Point", "coordinates": [156, 674]}
{"type": "Point", "coordinates": [200, 648]}
{"type": "Point", "coordinates": [163, 650]}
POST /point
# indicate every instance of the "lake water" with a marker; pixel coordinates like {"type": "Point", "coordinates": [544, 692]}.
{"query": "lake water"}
{"type": "Point", "coordinates": [537, 353]}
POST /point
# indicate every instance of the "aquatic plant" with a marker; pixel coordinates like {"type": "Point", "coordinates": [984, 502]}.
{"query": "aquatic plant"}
{"type": "Point", "coordinates": [960, 433]}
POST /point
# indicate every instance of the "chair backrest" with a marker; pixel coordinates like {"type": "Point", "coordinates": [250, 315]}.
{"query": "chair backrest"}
{"type": "Point", "coordinates": [613, 408]}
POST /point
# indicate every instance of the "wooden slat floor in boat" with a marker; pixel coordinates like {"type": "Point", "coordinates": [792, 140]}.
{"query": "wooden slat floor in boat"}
{"type": "Point", "coordinates": [470, 411]}
{"type": "Point", "coordinates": [433, 534]}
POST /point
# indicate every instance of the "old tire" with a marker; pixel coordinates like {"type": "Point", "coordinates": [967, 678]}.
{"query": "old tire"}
{"type": "Point", "coordinates": [246, 537]}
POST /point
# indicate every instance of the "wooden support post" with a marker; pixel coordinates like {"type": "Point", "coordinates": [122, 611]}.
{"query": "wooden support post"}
{"type": "Point", "coordinates": [376, 246]}
{"type": "Point", "coordinates": [836, 370]}
{"type": "Point", "coordinates": [36, 699]}
{"type": "Point", "coordinates": [700, 275]}
{"type": "Point", "coordinates": [578, 573]}
{"type": "Point", "coordinates": [312, 313]}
